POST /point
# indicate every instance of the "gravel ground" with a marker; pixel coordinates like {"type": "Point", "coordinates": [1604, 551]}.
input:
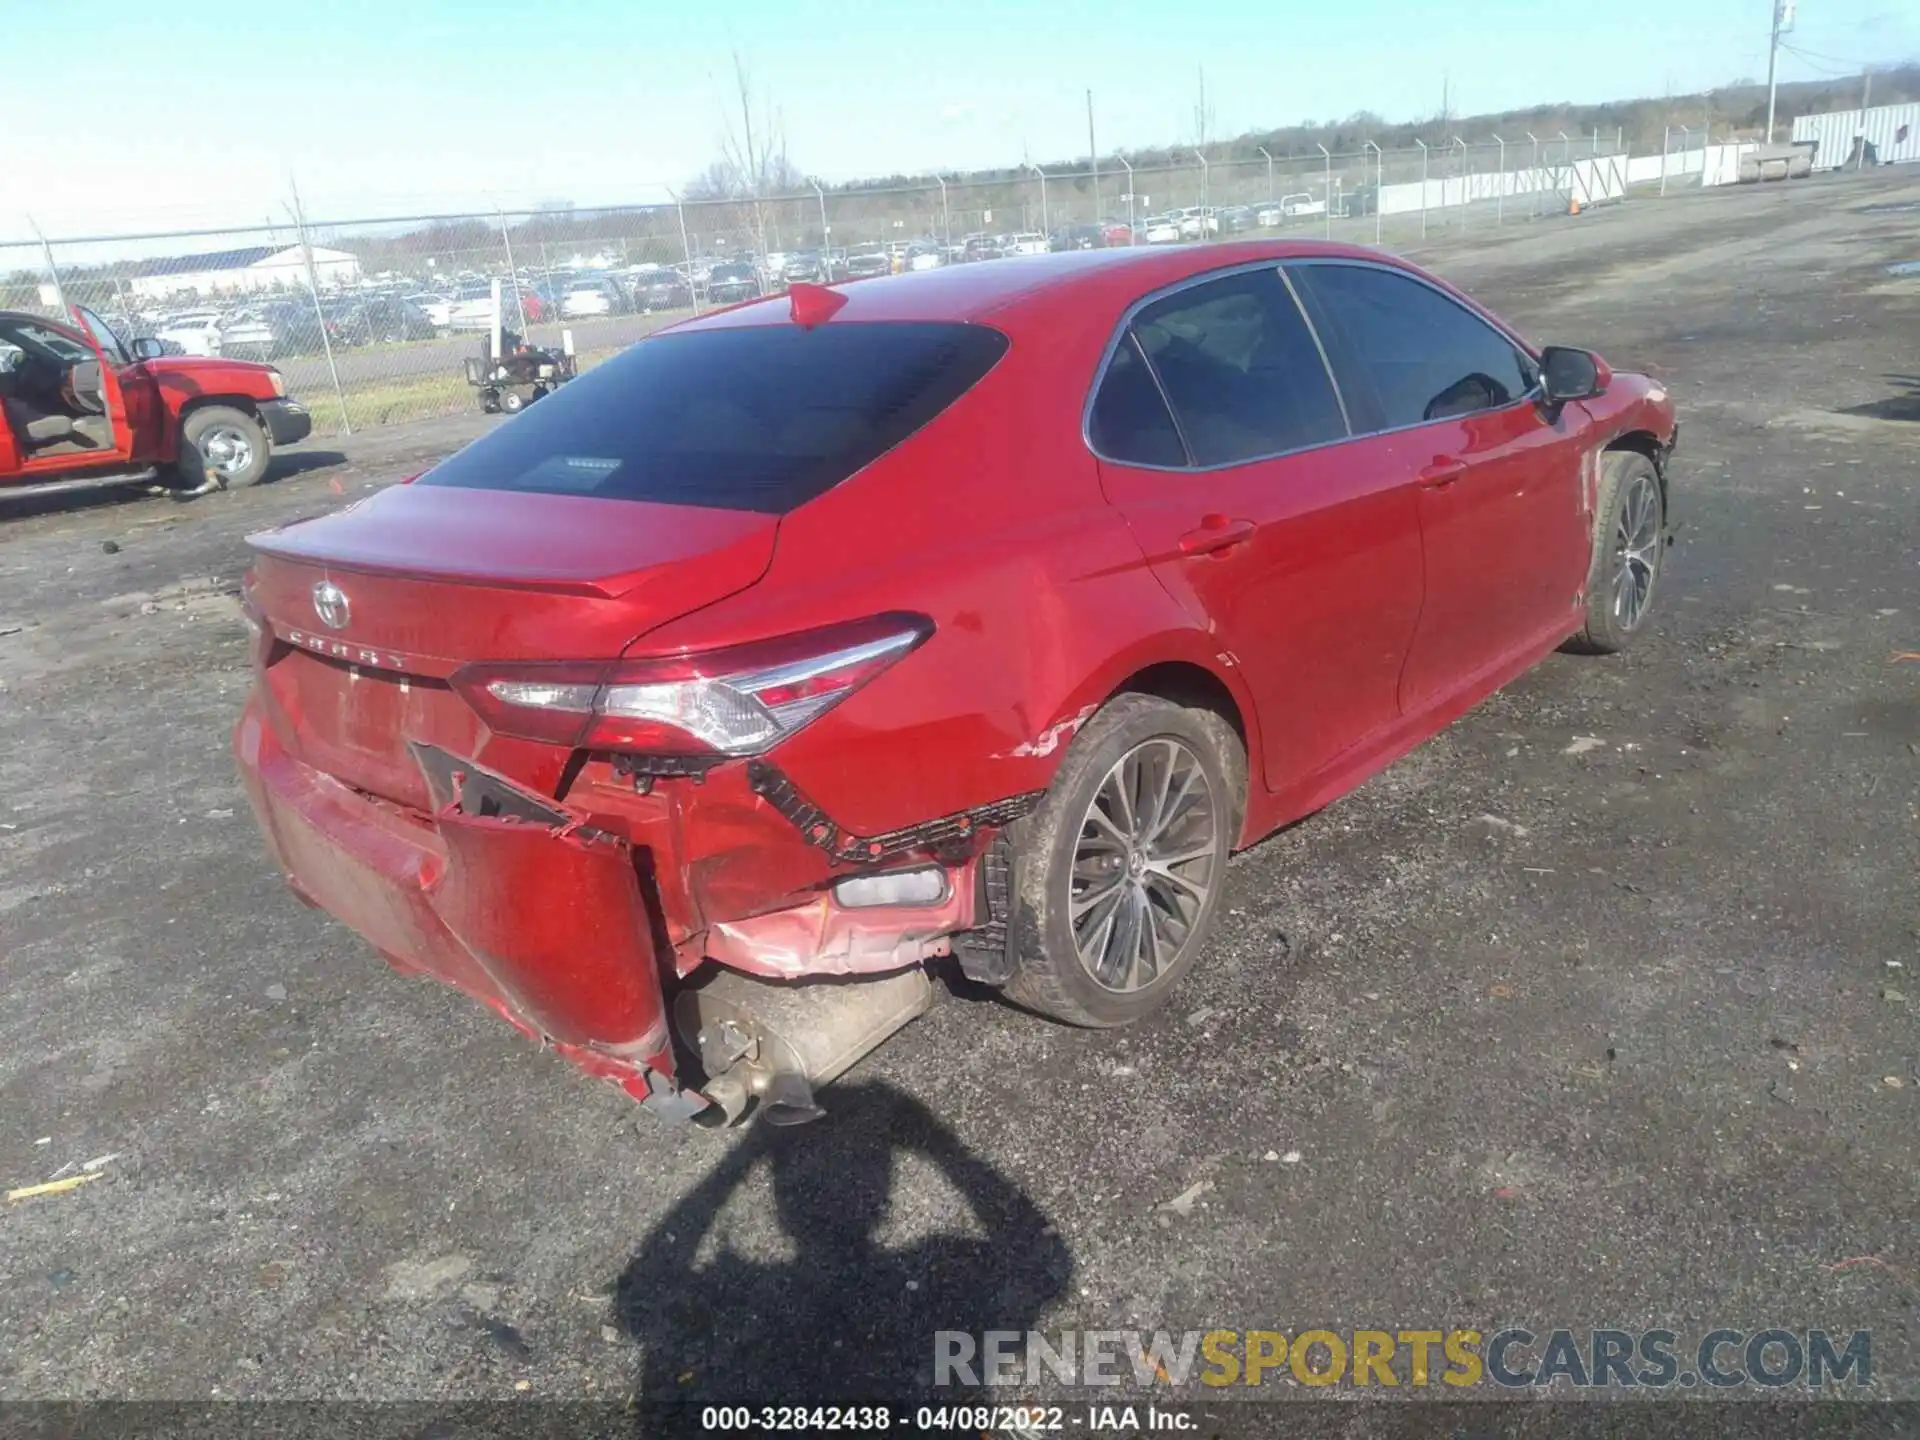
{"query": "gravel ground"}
{"type": "Point", "coordinates": [1600, 1009]}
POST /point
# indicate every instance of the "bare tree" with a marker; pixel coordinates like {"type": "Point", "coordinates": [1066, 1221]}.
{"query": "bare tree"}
{"type": "Point", "coordinates": [753, 169]}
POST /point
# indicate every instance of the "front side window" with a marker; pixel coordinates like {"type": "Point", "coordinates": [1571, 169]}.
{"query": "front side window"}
{"type": "Point", "coordinates": [1240, 368]}
{"type": "Point", "coordinates": [1424, 356]}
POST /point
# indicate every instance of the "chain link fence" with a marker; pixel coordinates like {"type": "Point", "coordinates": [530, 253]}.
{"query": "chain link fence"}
{"type": "Point", "coordinates": [371, 321]}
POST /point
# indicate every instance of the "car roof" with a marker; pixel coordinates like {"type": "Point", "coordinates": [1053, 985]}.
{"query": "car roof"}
{"type": "Point", "coordinates": [976, 292]}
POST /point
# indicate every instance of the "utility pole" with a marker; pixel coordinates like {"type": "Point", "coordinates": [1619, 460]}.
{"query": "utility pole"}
{"type": "Point", "coordinates": [1093, 155]}
{"type": "Point", "coordinates": [1782, 23]}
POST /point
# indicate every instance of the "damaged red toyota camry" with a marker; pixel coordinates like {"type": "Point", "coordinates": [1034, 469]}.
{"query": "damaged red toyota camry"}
{"type": "Point", "coordinates": [964, 618]}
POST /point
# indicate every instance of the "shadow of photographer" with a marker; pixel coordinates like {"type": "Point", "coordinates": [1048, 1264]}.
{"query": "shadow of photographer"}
{"type": "Point", "coordinates": [847, 1319]}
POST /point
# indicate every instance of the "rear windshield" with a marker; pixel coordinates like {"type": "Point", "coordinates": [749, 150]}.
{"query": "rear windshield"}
{"type": "Point", "coordinates": [758, 418]}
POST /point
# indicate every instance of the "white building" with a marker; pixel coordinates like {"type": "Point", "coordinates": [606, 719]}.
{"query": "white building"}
{"type": "Point", "coordinates": [241, 272]}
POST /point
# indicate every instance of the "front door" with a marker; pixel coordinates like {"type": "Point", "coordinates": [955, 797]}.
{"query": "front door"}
{"type": "Point", "coordinates": [131, 398]}
{"type": "Point", "coordinates": [1503, 507]}
{"type": "Point", "coordinates": [1220, 436]}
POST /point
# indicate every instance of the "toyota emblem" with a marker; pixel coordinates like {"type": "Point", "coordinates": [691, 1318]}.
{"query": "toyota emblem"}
{"type": "Point", "coordinates": [330, 604]}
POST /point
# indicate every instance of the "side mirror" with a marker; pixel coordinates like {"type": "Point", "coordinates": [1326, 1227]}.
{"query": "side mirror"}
{"type": "Point", "coordinates": [148, 348]}
{"type": "Point", "coordinates": [1570, 374]}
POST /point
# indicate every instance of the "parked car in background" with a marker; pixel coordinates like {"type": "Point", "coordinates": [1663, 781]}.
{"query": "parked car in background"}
{"type": "Point", "coordinates": [1027, 242]}
{"type": "Point", "coordinates": [661, 290]}
{"type": "Point", "coordinates": [373, 320]}
{"type": "Point", "coordinates": [1162, 229]}
{"type": "Point", "coordinates": [81, 408]}
{"type": "Point", "coordinates": [1125, 603]}
{"type": "Point", "coordinates": [196, 332]}
{"type": "Point", "coordinates": [925, 256]}
{"type": "Point", "coordinates": [1197, 222]}
{"type": "Point", "coordinates": [591, 296]}
{"type": "Point", "coordinates": [864, 262]}
{"type": "Point", "coordinates": [434, 306]}
{"type": "Point", "coordinates": [1236, 219]}
{"type": "Point", "coordinates": [980, 247]}
{"type": "Point", "coordinates": [1301, 204]}
{"type": "Point", "coordinates": [272, 331]}
{"type": "Point", "coordinates": [727, 284]}
{"type": "Point", "coordinates": [809, 266]}
{"type": "Point", "coordinates": [1076, 237]}
{"type": "Point", "coordinates": [1116, 232]}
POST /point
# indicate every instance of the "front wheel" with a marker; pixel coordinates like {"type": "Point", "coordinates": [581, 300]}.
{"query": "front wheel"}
{"type": "Point", "coordinates": [1119, 871]}
{"type": "Point", "coordinates": [1629, 549]}
{"type": "Point", "coordinates": [224, 448]}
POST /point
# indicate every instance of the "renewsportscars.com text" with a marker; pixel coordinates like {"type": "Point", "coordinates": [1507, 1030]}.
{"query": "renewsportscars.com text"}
{"type": "Point", "coordinates": [1510, 1358]}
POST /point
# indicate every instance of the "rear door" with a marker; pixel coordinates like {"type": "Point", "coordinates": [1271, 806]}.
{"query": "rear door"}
{"type": "Point", "coordinates": [1502, 502]}
{"type": "Point", "coordinates": [1220, 435]}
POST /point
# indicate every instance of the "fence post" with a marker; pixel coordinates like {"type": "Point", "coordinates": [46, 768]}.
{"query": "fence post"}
{"type": "Point", "coordinates": [53, 271]}
{"type": "Point", "coordinates": [686, 249]}
{"type": "Point", "coordinates": [1271, 197]}
{"type": "Point", "coordinates": [513, 276]}
{"type": "Point", "coordinates": [1666, 142]}
{"type": "Point", "coordinates": [1129, 169]}
{"type": "Point", "coordinates": [1379, 183]}
{"type": "Point", "coordinates": [1533, 175]}
{"type": "Point", "coordinates": [946, 217]}
{"type": "Point", "coordinates": [1327, 185]}
{"type": "Point", "coordinates": [1500, 191]}
{"type": "Point", "coordinates": [1460, 169]}
{"type": "Point", "coordinates": [1423, 186]}
{"type": "Point", "coordinates": [1046, 222]}
{"type": "Point", "coordinates": [1206, 195]}
{"type": "Point", "coordinates": [826, 231]}
{"type": "Point", "coordinates": [319, 315]}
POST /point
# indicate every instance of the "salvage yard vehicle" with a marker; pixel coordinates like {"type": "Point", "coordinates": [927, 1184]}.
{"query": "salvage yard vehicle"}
{"type": "Point", "coordinates": [81, 410]}
{"type": "Point", "coordinates": [964, 619]}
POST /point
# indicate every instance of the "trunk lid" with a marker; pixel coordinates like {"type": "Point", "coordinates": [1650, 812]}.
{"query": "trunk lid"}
{"type": "Point", "coordinates": [376, 605]}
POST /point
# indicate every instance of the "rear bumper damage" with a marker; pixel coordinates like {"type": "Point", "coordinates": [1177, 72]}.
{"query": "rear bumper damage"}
{"type": "Point", "coordinates": [553, 919]}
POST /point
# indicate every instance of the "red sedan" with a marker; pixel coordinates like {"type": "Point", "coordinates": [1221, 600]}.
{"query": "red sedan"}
{"type": "Point", "coordinates": [962, 620]}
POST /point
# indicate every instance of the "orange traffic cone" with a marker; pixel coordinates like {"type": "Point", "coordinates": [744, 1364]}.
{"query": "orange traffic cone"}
{"type": "Point", "coordinates": [1573, 205]}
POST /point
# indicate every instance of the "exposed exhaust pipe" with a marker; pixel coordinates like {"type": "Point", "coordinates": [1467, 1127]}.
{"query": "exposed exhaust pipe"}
{"type": "Point", "coordinates": [775, 1042]}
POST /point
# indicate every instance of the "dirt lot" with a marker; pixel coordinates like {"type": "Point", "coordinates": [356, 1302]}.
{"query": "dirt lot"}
{"type": "Point", "coordinates": [1598, 1010]}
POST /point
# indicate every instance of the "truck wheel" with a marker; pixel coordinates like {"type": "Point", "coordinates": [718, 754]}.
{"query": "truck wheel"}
{"type": "Point", "coordinates": [1629, 546]}
{"type": "Point", "coordinates": [513, 402]}
{"type": "Point", "coordinates": [1119, 872]}
{"type": "Point", "coordinates": [224, 448]}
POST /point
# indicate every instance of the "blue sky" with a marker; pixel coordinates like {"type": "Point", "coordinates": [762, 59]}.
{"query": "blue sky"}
{"type": "Point", "coordinates": [150, 115]}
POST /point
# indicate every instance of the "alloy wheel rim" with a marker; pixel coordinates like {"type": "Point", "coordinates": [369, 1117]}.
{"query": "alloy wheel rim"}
{"type": "Point", "coordinates": [1636, 552]}
{"type": "Point", "coordinates": [226, 450]}
{"type": "Point", "coordinates": [1144, 865]}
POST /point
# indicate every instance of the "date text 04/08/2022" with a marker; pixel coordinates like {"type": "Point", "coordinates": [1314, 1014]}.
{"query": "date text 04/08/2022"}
{"type": "Point", "coordinates": [946, 1419]}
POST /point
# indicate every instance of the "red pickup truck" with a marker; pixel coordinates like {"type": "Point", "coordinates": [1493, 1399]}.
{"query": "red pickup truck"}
{"type": "Point", "coordinates": [81, 409]}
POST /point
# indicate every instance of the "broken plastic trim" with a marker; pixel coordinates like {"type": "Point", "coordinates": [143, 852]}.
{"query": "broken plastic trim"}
{"type": "Point", "coordinates": [818, 828]}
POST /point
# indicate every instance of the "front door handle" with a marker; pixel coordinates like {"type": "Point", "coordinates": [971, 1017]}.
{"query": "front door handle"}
{"type": "Point", "coordinates": [1441, 472]}
{"type": "Point", "coordinates": [1216, 533]}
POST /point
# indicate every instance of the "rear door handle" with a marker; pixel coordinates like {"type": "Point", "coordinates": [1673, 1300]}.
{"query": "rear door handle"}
{"type": "Point", "coordinates": [1442, 472]}
{"type": "Point", "coordinates": [1216, 533]}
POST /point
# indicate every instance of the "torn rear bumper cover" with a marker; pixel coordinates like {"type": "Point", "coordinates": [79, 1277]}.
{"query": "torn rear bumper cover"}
{"type": "Point", "coordinates": [499, 893]}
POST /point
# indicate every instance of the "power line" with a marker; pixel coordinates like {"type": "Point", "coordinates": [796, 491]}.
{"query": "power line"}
{"type": "Point", "coordinates": [1812, 63]}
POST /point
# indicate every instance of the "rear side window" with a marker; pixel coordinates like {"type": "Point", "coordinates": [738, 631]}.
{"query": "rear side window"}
{"type": "Point", "coordinates": [758, 418]}
{"type": "Point", "coordinates": [1240, 368]}
{"type": "Point", "coordinates": [1129, 422]}
{"type": "Point", "coordinates": [1425, 356]}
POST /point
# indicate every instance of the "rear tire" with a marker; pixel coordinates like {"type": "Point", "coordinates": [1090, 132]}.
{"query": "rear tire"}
{"type": "Point", "coordinates": [513, 402]}
{"type": "Point", "coordinates": [1629, 552]}
{"type": "Point", "coordinates": [1118, 873]}
{"type": "Point", "coordinates": [222, 448]}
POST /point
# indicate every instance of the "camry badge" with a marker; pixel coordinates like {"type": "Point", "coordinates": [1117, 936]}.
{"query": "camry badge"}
{"type": "Point", "coordinates": [330, 604]}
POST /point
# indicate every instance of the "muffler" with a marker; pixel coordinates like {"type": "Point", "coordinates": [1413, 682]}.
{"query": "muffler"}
{"type": "Point", "coordinates": [774, 1042]}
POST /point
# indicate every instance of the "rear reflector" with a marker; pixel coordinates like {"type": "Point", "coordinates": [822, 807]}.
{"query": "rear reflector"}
{"type": "Point", "coordinates": [739, 701]}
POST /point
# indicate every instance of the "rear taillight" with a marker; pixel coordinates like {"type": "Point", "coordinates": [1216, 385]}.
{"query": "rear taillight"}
{"type": "Point", "coordinates": [739, 701]}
